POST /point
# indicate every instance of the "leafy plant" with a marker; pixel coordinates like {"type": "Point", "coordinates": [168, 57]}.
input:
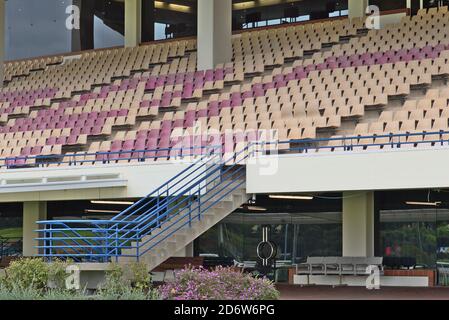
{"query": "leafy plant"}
{"type": "Point", "coordinates": [27, 273]}
{"type": "Point", "coordinates": [63, 294]}
{"type": "Point", "coordinates": [57, 273]}
{"type": "Point", "coordinates": [16, 292]}
{"type": "Point", "coordinates": [133, 286]}
{"type": "Point", "coordinates": [34, 279]}
{"type": "Point", "coordinates": [140, 277]}
{"type": "Point", "coordinates": [219, 284]}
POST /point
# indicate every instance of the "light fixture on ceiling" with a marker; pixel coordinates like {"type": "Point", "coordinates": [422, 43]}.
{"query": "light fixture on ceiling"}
{"type": "Point", "coordinates": [253, 208]}
{"type": "Point", "coordinates": [429, 204]}
{"type": "Point", "coordinates": [112, 202]}
{"type": "Point", "coordinates": [287, 197]}
{"type": "Point", "coordinates": [101, 211]}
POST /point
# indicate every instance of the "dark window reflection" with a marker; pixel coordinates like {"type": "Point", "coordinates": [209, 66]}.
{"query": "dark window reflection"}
{"type": "Point", "coordinates": [38, 27]}
{"type": "Point", "coordinates": [297, 236]}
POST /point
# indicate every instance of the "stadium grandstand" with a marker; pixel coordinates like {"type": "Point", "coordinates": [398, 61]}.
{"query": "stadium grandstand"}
{"type": "Point", "coordinates": [304, 140]}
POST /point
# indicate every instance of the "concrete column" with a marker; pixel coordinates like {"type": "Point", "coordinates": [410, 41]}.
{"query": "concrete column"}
{"type": "Point", "coordinates": [421, 4]}
{"type": "Point", "coordinates": [214, 33]}
{"type": "Point", "coordinates": [32, 211]}
{"type": "Point", "coordinates": [2, 41]}
{"type": "Point", "coordinates": [358, 224]}
{"type": "Point", "coordinates": [408, 4]}
{"type": "Point", "coordinates": [357, 8]}
{"type": "Point", "coordinates": [133, 22]}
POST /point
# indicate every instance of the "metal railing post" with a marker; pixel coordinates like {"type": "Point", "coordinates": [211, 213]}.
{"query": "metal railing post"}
{"type": "Point", "coordinates": [138, 245]}
{"type": "Point", "coordinates": [199, 204]}
{"type": "Point", "coordinates": [116, 243]}
{"type": "Point", "coordinates": [106, 245]}
{"type": "Point", "coordinates": [50, 245]}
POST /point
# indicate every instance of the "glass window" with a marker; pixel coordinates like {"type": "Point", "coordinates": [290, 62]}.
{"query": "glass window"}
{"type": "Point", "coordinates": [11, 222]}
{"type": "Point", "coordinates": [410, 234]}
{"type": "Point", "coordinates": [36, 28]}
{"type": "Point", "coordinates": [297, 236]}
{"type": "Point", "coordinates": [46, 27]}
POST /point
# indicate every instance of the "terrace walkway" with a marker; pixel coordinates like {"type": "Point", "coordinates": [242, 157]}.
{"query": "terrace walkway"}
{"type": "Point", "coordinates": [292, 292]}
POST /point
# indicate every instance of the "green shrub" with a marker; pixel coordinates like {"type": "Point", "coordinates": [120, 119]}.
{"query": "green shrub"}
{"type": "Point", "coordinates": [34, 279]}
{"type": "Point", "coordinates": [140, 277]}
{"type": "Point", "coordinates": [57, 273]}
{"type": "Point", "coordinates": [15, 292]}
{"type": "Point", "coordinates": [27, 273]}
{"type": "Point", "coordinates": [133, 286]}
{"type": "Point", "coordinates": [62, 294]}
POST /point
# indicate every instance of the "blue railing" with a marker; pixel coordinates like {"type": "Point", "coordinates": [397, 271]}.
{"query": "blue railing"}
{"type": "Point", "coordinates": [174, 205]}
{"type": "Point", "coordinates": [346, 143]}
{"type": "Point", "coordinates": [105, 157]}
{"type": "Point", "coordinates": [187, 197]}
{"type": "Point", "coordinates": [361, 142]}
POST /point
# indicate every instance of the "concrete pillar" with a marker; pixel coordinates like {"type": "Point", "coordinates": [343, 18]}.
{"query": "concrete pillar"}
{"type": "Point", "coordinates": [2, 41]}
{"type": "Point", "coordinates": [408, 4]}
{"type": "Point", "coordinates": [357, 8]}
{"type": "Point", "coordinates": [32, 211]}
{"type": "Point", "coordinates": [358, 224]}
{"type": "Point", "coordinates": [133, 22]}
{"type": "Point", "coordinates": [214, 33]}
{"type": "Point", "coordinates": [421, 4]}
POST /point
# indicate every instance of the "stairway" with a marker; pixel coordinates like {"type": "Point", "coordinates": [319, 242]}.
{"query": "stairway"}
{"type": "Point", "coordinates": [159, 225]}
{"type": "Point", "coordinates": [155, 248]}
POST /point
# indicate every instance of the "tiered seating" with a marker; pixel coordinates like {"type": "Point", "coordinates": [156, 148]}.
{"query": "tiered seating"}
{"type": "Point", "coordinates": [24, 67]}
{"type": "Point", "coordinates": [130, 101]}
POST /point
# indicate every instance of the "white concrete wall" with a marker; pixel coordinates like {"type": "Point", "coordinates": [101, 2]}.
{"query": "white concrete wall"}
{"type": "Point", "coordinates": [142, 178]}
{"type": "Point", "coordinates": [350, 171]}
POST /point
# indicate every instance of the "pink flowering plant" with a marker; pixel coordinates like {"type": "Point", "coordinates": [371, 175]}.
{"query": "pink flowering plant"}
{"type": "Point", "coordinates": [219, 284]}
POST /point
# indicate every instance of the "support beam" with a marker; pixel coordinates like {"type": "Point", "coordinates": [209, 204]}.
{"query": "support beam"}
{"type": "Point", "coordinates": [214, 33]}
{"type": "Point", "coordinates": [32, 211]}
{"type": "Point", "coordinates": [133, 22]}
{"type": "Point", "coordinates": [357, 8]}
{"type": "Point", "coordinates": [358, 224]}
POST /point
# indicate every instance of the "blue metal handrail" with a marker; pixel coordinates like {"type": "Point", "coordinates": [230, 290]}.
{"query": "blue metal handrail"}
{"type": "Point", "coordinates": [181, 200]}
{"type": "Point", "coordinates": [107, 156]}
{"type": "Point", "coordinates": [199, 151]}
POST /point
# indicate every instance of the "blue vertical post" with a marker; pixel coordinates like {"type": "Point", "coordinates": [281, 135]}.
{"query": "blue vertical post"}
{"type": "Point", "coordinates": [116, 243]}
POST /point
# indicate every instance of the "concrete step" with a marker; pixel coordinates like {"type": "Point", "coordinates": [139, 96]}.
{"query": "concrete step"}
{"type": "Point", "coordinates": [163, 248]}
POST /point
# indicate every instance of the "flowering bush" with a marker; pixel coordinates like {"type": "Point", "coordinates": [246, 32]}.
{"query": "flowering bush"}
{"type": "Point", "coordinates": [219, 284]}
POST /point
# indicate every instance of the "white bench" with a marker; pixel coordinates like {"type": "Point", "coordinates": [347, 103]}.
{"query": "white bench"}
{"type": "Point", "coordinates": [340, 266]}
